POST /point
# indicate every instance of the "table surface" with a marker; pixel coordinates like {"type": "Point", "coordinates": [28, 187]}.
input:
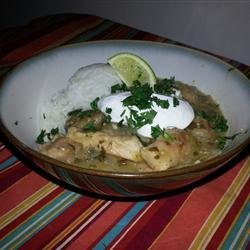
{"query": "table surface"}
{"type": "Point", "coordinates": [37, 212]}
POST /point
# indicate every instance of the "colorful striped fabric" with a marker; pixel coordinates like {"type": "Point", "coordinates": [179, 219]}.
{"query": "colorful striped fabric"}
{"type": "Point", "coordinates": [36, 213]}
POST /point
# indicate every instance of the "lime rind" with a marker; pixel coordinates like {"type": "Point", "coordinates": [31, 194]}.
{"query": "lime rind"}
{"type": "Point", "coordinates": [131, 67]}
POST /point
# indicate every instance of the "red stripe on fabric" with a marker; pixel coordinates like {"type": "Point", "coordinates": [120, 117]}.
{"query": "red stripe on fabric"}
{"type": "Point", "coordinates": [201, 202]}
{"type": "Point", "coordinates": [151, 37]}
{"type": "Point", "coordinates": [101, 224]}
{"type": "Point", "coordinates": [30, 211]}
{"type": "Point", "coordinates": [229, 218]}
{"type": "Point", "coordinates": [115, 32]}
{"type": "Point", "coordinates": [13, 174]}
{"type": "Point", "coordinates": [149, 226]}
{"type": "Point", "coordinates": [44, 236]}
{"type": "Point", "coordinates": [5, 154]}
{"type": "Point", "coordinates": [49, 40]}
{"type": "Point", "coordinates": [21, 190]}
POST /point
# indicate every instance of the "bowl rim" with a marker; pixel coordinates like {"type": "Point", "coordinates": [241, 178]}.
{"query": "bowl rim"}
{"type": "Point", "coordinates": [208, 165]}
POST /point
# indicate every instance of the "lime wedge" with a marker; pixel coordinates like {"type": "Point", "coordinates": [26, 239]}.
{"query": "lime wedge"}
{"type": "Point", "coordinates": [130, 68]}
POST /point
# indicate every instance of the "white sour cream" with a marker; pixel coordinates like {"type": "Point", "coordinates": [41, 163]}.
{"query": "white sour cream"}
{"type": "Point", "coordinates": [179, 117]}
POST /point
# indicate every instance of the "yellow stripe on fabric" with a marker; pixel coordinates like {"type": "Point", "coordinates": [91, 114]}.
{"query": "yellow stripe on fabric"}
{"type": "Point", "coordinates": [26, 204]}
{"type": "Point", "coordinates": [73, 225]}
{"type": "Point", "coordinates": [215, 218]}
{"type": "Point", "coordinates": [15, 244]}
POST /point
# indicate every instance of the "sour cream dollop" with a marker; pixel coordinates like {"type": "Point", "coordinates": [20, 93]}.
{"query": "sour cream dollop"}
{"type": "Point", "coordinates": [179, 116]}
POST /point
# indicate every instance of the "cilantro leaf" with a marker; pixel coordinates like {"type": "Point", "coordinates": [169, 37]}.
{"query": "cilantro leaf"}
{"type": "Point", "coordinates": [107, 118]}
{"type": "Point", "coordinates": [162, 103]}
{"type": "Point", "coordinates": [40, 138]}
{"type": "Point", "coordinates": [176, 102]}
{"type": "Point", "coordinates": [52, 133]}
{"type": "Point", "coordinates": [140, 96]}
{"type": "Point", "coordinates": [108, 110]}
{"type": "Point", "coordinates": [137, 120]}
{"type": "Point", "coordinates": [165, 86]}
{"type": "Point", "coordinates": [89, 127]}
{"type": "Point", "coordinates": [75, 112]}
{"type": "Point", "coordinates": [219, 123]}
{"type": "Point", "coordinates": [119, 88]}
{"type": "Point", "coordinates": [80, 113]}
{"type": "Point", "coordinates": [120, 123]}
{"type": "Point", "coordinates": [216, 121]}
{"type": "Point", "coordinates": [94, 103]}
{"type": "Point", "coordinates": [43, 134]}
{"type": "Point", "coordinates": [156, 131]}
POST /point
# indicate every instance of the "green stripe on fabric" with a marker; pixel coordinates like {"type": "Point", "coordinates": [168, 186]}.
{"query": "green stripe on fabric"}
{"type": "Point", "coordinates": [38, 221]}
{"type": "Point", "coordinates": [87, 35]}
{"type": "Point", "coordinates": [239, 230]}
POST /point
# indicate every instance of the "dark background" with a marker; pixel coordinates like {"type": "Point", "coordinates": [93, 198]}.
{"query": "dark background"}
{"type": "Point", "coordinates": [221, 27]}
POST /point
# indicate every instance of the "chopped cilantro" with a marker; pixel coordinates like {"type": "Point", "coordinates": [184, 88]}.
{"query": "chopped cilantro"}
{"type": "Point", "coordinates": [162, 103]}
{"type": "Point", "coordinates": [140, 96]}
{"type": "Point", "coordinates": [165, 86]}
{"type": "Point", "coordinates": [43, 134]}
{"type": "Point", "coordinates": [219, 123]}
{"type": "Point", "coordinates": [80, 113]}
{"type": "Point", "coordinates": [120, 123]}
{"type": "Point", "coordinates": [94, 103]}
{"type": "Point", "coordinates": [89, 127]}
{"type": "Point", "coordinates": [216, 121]}
{"type": "Point", "coordinates": [108, 110]}
{"type": "Point", "coordinates": [75, 112]}
{"type": "Point", "coordinates": [119, 88]}
{"type": "Point", "coordinates": [53, 132]}
{"type": "Point", "coordinates": [167, 136]}
{"type": "Point", "coordinates": [40, 138]}
{"type": "Point", "coordinates": [156, 131]}
{"type": "Point", "coordinates": [175, 101]}
{"type": "Point", "coordinates": [107, 118]}
{"type": "Point", "coordinates": [16, 123]}
{"type": "Point", "coordinates": [202, 114]}
{"type": "Point", "coordinates": [137, 120]}
{"type": "Point", "coordinates": [123, 112]}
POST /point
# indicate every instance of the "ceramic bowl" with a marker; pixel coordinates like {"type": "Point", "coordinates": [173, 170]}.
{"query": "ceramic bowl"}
{"type": "Point", "coordinates": [23, 90]}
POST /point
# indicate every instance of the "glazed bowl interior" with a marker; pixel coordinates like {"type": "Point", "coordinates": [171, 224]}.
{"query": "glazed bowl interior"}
{"type": "Point", "coordinates": [24, 90]}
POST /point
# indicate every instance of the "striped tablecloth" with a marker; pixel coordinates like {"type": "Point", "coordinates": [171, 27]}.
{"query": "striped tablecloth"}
{"type": "Point", "coordinates": [36, 213]}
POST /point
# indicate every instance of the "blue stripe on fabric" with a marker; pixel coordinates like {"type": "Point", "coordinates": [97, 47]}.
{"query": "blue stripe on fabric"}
{"type": "Point", "coordinates": [114, 232]}
{"type": "Point", "coordinates": [8, 162]}
{"type": "Point", "coordinates": [231, 240]}
{"type": "Point", "coordinates": [38, 221]}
